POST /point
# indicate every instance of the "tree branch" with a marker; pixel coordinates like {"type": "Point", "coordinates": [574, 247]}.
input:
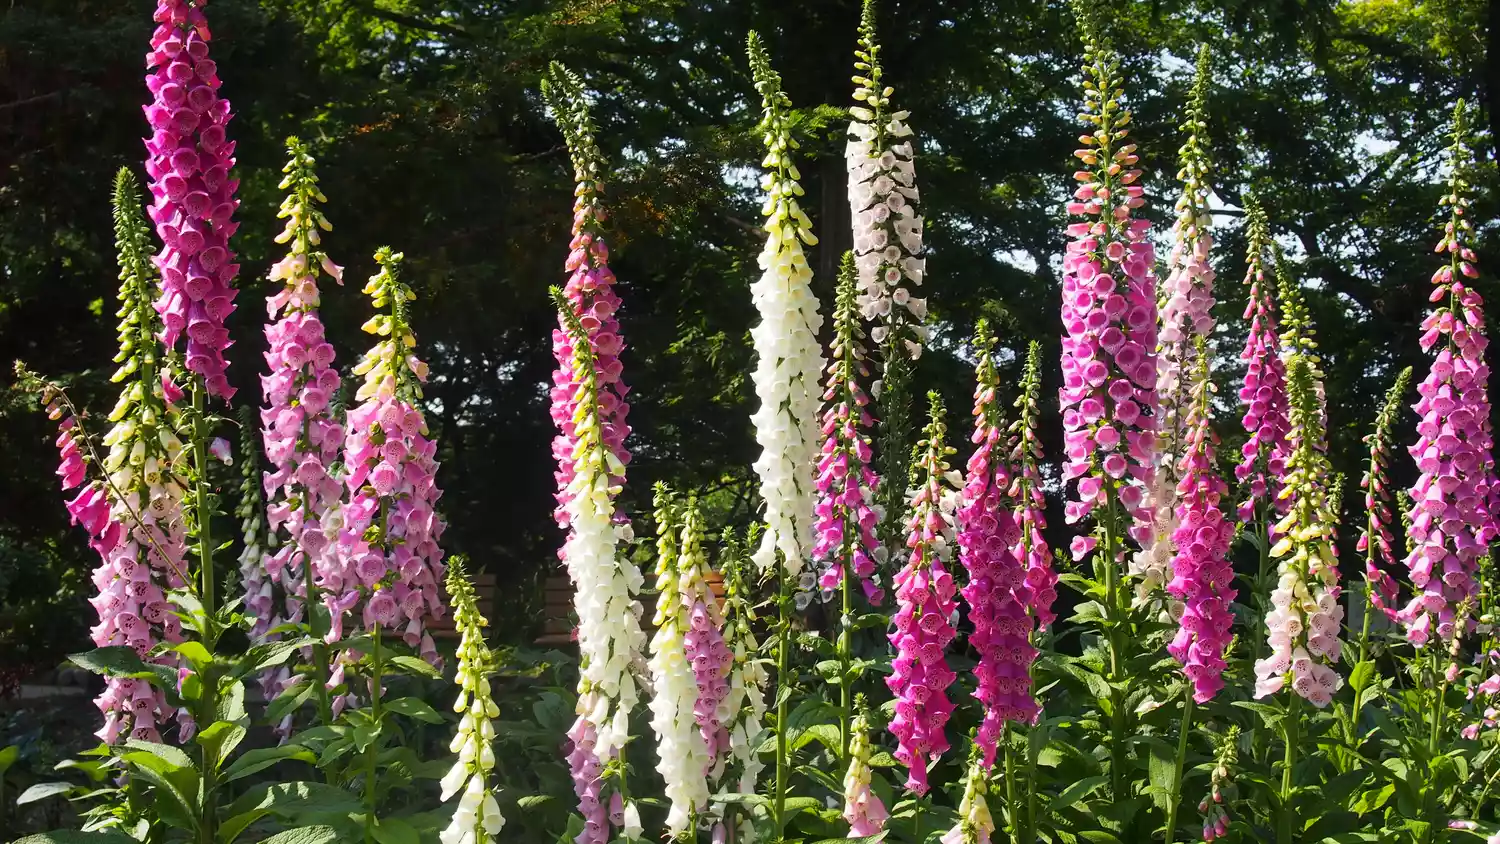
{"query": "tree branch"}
{"type": "Point", "coordinates": [412, 22]}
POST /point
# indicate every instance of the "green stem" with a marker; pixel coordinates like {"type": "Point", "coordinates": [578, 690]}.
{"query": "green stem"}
{"type": "Point", "coordinates": [1012, 816]}
{"type": "Point", "coordinates": [1182, 743]}
{"type": "Point", "coordinates": [917, 822]}
{"type": "Point", "coordinates": [1113, 617]}
{"type": "Point", "coordinates": [1440, 686]}
{"type": "Point", "coordinates": [846, 634]}
{"type": "Point", "coordinates": [783, 668]}
{"type": "Point", "coordinates": [1483, 793]}
{"type": "Point", "coordinates": [200, 498]}
{"type": "Point", "coordinates": [1289, 732]}
{"type": "Point", "coordinates": [373, 755]}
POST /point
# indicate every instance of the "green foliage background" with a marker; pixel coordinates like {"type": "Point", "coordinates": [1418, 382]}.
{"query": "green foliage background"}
{"type": "Point", "coordinates": [431, 133]}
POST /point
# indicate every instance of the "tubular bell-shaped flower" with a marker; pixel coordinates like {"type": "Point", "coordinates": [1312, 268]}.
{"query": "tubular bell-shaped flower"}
{"type": "Point", "coordinates": [1202, 577]}
{"type": "Point", "coordinates": [1027, 499]}
{"type": "Point", "coordinates": [745, 705]}
{"type": "Point", "coordinates": [300, 428]}
{"type": "Point", "coordinates": [997, 593]}
{"type": "Point", "coordinates": [1263, 393]}
{"type": "Point", "coordinates": [789, 360]}
{"type": "Point", "coordinates": [610, 640]}
{"type": "Point", "coordinates": [189, 160]}
{"type": "Point", "coordinates": [862, 807]}
{"type": "Point", "coordinates": [477, 818]}
{"type": "Point", "coordinates": [389, 541]}
{"type": "Point", "coordinates": [846, 519]}
{"type": "Point", "coordinates": [1375, 541]}
{"type": "Point", "coordinates": [682, 754]}
{"type": "Point", "coordinates": [1187, 302]}
{"type": "Point", "coordinates": [975, 824]}
{"type": "Point", "coordinates": [1303, 625]}
{"type": "Point", "coordinates": [591, 296]}
{"type": "Point", "coordinates": [1451, 522]}
{"type": "Point", "coordinates": [1109, 312]}
{"type": "Point", "coordinates": [925, 592]}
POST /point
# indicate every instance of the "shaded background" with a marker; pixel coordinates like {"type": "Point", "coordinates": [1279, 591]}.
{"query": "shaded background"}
{"type": "Point", "coordinates": [432, 137]}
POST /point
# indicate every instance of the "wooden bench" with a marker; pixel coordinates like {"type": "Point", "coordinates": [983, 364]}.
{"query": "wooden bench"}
{"type": "Point", "coordinates": [557, 626]}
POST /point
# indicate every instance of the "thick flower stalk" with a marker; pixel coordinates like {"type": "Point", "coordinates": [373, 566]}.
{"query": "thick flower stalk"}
{"type": "Point", "coordinates": [997, 593]}
{"type": "Point", "coordinates": [846, 518]}
{"type": "Point", "coordinates": [682, 755]}
{"type": "Point", "coordinates": [925, 593]}
{"type": "Point", "coordinates": [610, 640]}
{"type": "Point", "coordinates": [1109, 312]}
{"type": "Point", "coordinates": [703, 640]}
{"type": "Point", "coordinates": [389, 541]}
{"type": "Point", "coordinates": [1376, 538]}
{"type": "Point", "coordinates": [1202, 577]}
{"type": "Point", "coordinates": [975, 824]}
{"type": "Point", "coordinates": [300, 427]}
{"type": "Point", "coordinates": [476, 819]}
{"type": "Point", "coordinates": [1263, 393]}
{"type": "Point", "coordinates": [1451, 523]}
{"type": "Point", "coordinates": [1026, 494]}
{"type": "Point", "coordinates": [1214, 809]}
{"type": "Point", "coordinates": [862, 807]}
{"type": "Point", "coordinates": [189, 160]}
{"type": "Point", "coordinates": [789, 361]}
{"type": "Point", "coordinates": [1186, 302]}
{"type": "Point", "coordinates": [1303, 625]}
{"type": "Point", "coordinates": [745, 705]}
{"type": "Point", "coordinates": [591, 297]}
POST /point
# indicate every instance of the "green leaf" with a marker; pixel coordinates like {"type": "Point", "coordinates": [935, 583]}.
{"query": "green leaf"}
{"type": "Point", "coordinates": [8, 756]}
{"type": "Point", "coordinates": [395, 831]}
{"type": "Point", "coordinates": [868, 839]}
{"type": "Point", "coordinates": [290, 699]}
{"type": "Point", "coordinates": [181, 784]}
{"type": "Point", "coordinates": [115, 661]}
{"type": "Point", "coordinates": [69, 836]}
{"type": "Point", "coordinates": [826, 734]}
{"type": "Point", "coordinates": [304, 835]}
{"type": "Point", "coordinates": [231, 703]}
{"type": "Point", "coordinates": [798, 805]}
{"type": "Point", "coordinates": [1268, 713]}
{"type": "Point", "coordinates": [258, 760]}
{"type": "Point", "coordinates": [173, 756]}
{"type": "Point", "coordinates": [1373, 800]}
{"type": "Point", "coordinates": [1075, 792]}
{"type": "Point", "coordinates": [267, 655]}
{"type": "Point", "coordinates": [1162, 770]}
{"type": "Point", "coordinates": [1362, 675]}
{"type": "Point", "coordinates": [413, 708]}
{"type": "Point", "coordinates": [220, 739]}
{"type": "Point", "coordinates": [290, 799]}
{"type": "Point", "coordinates": [532, 801]}
{"type": "Point", "coordinates": [194, 652]}
{"type": "Point", "coordinates": [416, 666]}
{"type": "Point", "coordinates": [43, 790]}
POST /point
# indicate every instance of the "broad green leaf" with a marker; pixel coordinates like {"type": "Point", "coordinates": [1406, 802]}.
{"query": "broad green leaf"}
{"type": "Point", "coordinates": [8, 756]}
{"type": "Point", "coordinates": [231, 703]}
{"type": "Point", "coordinates": [413, 708]}
{"type": "Point", "coordinates": [291, 799]}
{"type": "Point", "coordinates": [413, 665]}
{"type": "Point", "coordinates": [69, 836]}
{"type": "Point", "coordinates": [531, 801]}
{"type": "Point", "coordinates": [304, 835]}
{"type": "Point", "coordinates": [43, 790]}
{"type": "Point", "coordinates": [194, 652]}
{"type": "Point", "coordinates": [179, 784]}
{"type": "Point", "coordinates": [395, 831]}
{"type": "Point", "coordinates": [1362, 675]}
{"type": "Point", "coordinates": [220, 739]}
{"type": "Point", "coordinates": [290, 699]}
{"type": "Point", "coordinates": [173, 756]}
{"type": "Point", "coordinates": [1374, 799]}
{"type": "Point", "coordinates": [1075, 792]}
{"type": "Point", "coordinates": [258, 760]}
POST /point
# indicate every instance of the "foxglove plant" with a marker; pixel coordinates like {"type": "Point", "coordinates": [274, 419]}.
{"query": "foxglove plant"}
{"type": "Point", "coordinates": [846, 520]}
{"type": "Point", "coordinates": [610, 639]}
{"type": "Point", "coordinates": [189, 162]}
{"type": "Point", "coordinates": [1214, 809]}
{"type": "Point", "coordinates": [1186, 303]}
{"type": "Point", "coordinates": [591, 297]}
{"type": "Point", "coordinates": [1375, 541]}
{"type": "Point", "coordinates": [477, 818]}
{"type": "Point", "coordinates": [301, 428]}
{"type": "Point", "coordinates": [862, 807]}
{"type": "Point", "coordinates": [703, 641]}
{"type": "Point", "coordinates": [1263, 393]}
{"type": "Point", "coordinates": [1108, 395]}
{"type": "Point", "coordinates": [887, 236]}
{"type": "Point", "coordinates": [1451, 523]}
{"type": "Point", "coordinates": [1304, 625]}
{"type": "Point", "coordinates": [683, 756]}
{"type": "Point", "coordinates": [1202, 577]}
{"type": "Point", "coordinates": [975, 824]}
{"type": "Point", "coordinates": [925, 592]}
{"type": "Point", "coordinates": [389, 542]}
{"type": "Point", "coordinates": [997, 593]}
{"type": "Point", "coordinates": [1027, 498]}
{"type": "Point", "coordinates": [789, 360]}
{"type": "Point", "coordinates": [745, 705]}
